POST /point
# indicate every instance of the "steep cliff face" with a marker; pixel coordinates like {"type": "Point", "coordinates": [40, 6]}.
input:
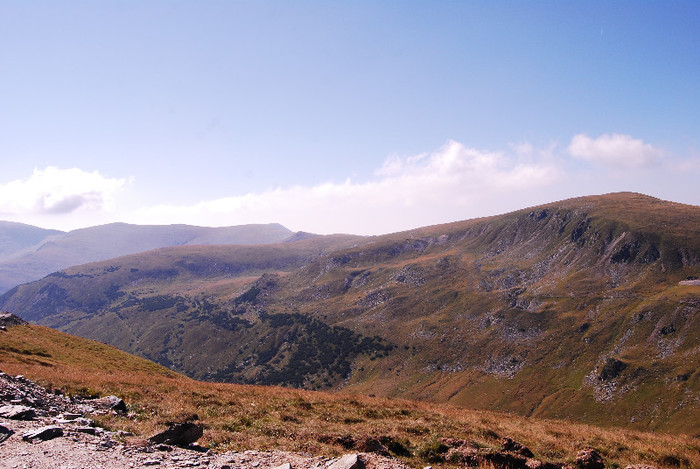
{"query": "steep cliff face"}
{"type": "Point", "coordinates": [587, 308]}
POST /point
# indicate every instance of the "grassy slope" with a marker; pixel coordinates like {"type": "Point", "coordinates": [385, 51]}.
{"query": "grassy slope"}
{"type": "Point", "coordinates": [251, 417]}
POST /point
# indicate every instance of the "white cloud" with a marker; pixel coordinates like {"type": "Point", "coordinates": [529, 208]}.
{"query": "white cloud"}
{"type": "Point", "coordinates": [54, 191]}
{"type": "Point", "coordinates": [452, 183]}
{"type": "Point", "coordinates": [620, 151]}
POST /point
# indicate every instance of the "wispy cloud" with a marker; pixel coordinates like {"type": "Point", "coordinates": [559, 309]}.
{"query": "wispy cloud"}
{"type": "Point", "coordinates": [59, 191]}
{"type": "Point", "coordinates": [455, 182]}
{"type": "Point", "coordinates": [616, 150]}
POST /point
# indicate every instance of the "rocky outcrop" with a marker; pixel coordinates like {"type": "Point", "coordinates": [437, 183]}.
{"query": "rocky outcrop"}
{"type": "Point", "coordinates": [9, 319]}
{"type": "Point", "coordinates": [22, 399]}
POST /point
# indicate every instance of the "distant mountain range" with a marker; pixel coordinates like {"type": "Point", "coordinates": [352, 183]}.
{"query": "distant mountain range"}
{"type": "Point", "coordinates": [586, 309]}
{"type": "Point", "coordinates": [28, 253]}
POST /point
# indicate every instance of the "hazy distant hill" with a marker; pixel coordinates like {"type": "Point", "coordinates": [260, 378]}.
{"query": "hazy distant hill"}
{"type": "Point", "coordinates": [586, 309]}
{"type": "Point", "coordinates": [18, 237]}
{"type": "Point", "coordinates": [33, 253]}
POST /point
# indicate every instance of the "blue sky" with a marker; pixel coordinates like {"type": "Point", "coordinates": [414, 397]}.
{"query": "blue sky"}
{"type": "Point", "coordinates": [362, 117]}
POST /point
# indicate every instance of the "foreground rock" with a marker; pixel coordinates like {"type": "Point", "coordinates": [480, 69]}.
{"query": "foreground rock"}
{"type": "Point", "coordinates": [43, 433]}
{"type": "Point", "coordinates": [512, 446]}
{"type": "Point", "coordinates": [349, 461]}
{"type": "Point", "coordinates": [589, 459]}
{"type": "Point", "coordinates": [179, 434]}
{"type": "Point", "coordinates": [5, 433]}
{"type": "Point", "coordinates": [17, 412]}
{"type": "Point", "coordinates": [108, 403]}
{"type": "Point", "coordinates": [9, 319]}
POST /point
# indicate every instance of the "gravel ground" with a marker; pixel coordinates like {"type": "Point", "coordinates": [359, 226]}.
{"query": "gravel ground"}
{"type": "Point", "coordinates": [77, 450]}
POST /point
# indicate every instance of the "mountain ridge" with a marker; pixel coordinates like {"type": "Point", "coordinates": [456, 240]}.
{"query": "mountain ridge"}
{"type": "Point", "coordinates": [58, 250]}
{"type": "Point", "coordinates": [573, 309]}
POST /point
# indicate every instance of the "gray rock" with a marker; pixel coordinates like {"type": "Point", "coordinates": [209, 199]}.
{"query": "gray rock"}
{"type": "Point", "coordinates": [84, 422]}
{"type": "Point", "coordinates": [9, 319]}
{"type": "Point", "coordinates": [284, 466]}
{"type": "Point", "coordinates": [349, 461]}
{"type": "Point", "coordinates": [88, 430]}
{"type": "Point", "coordinates": [5, 433]}
{"type": "Point", "coordinates": [43, 433]}
{"type": "Point", "coordinates": [109, 403]}
{"type": "Point", "coordinates": [589, 458]}
{"type": "Point", "coordinates": [179, 434]}
{"type": "Point", "coordinates": [17, 412]}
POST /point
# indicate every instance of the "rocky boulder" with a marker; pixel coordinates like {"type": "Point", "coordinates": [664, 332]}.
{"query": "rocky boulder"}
{"type": "Point", "coordinates": [108, 403]}
{"type": "Point", "coordinates": [179, 434]}
{"type": "Point", "coordinates": [5, 433]}
{"type": "Point", "coordinates": [349, 461]}
{"type": "Point", "coordinates": [17, 412]}
{"type": "Point", "coordinates": [9, 319]}
{"type": "Point", "coordinates": [512, 446]}
{"type": "Point", "coordinates": [372, 444]}
{"type": "Point", "coordinates": [44, 433]}
{"type": "Point", "coordinates": [589, 458]}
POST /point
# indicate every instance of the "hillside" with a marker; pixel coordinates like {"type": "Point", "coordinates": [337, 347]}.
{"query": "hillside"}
{"type": "Point", "coordinates": [585, 309]}
{"type": "Point", "coordinates": [261, 418]}
{"type": "Point", "coordinates": [18, 237]}
{"type": "Point", "coordinates": [28, 253]}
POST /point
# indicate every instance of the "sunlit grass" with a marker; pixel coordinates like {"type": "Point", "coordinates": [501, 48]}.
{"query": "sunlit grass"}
{"type": "Point", "coordinates": [266, 418]}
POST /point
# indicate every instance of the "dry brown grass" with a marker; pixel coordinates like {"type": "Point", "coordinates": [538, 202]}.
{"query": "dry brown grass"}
{"type": "Point", "coordinates": [249, 417]}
